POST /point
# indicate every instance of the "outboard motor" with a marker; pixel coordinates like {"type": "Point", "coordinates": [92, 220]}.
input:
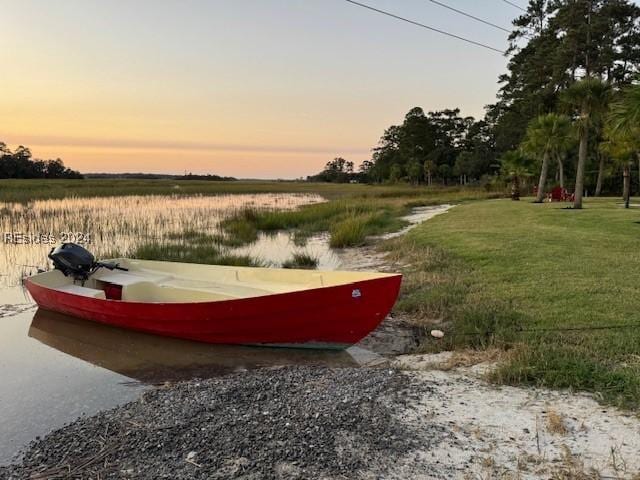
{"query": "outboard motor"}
{"type": "Point", "coordinates": [77, 262]}
{"type": "Point", "coordinates": [72, 260]}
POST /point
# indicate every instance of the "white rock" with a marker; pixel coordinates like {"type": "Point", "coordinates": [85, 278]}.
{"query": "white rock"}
{"type": "Point", "coordinates": [437, 333]}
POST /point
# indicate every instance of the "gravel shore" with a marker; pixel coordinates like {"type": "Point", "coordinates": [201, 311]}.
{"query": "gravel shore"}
{"type": "Point", "coordinates": [291, 422]}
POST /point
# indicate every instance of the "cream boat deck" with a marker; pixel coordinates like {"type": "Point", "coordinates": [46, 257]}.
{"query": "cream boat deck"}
{"type": "Point", "coordinates": [170, 282]}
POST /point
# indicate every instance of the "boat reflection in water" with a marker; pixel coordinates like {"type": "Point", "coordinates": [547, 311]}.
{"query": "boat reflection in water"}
{"type": "Point", "coordinates": [154, 359]}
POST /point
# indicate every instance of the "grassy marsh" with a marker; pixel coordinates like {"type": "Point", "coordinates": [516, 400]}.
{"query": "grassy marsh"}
{"type": "Point", "coordinates": [21, 191]}
{"type": "Point", "coordinates": [349, 219]}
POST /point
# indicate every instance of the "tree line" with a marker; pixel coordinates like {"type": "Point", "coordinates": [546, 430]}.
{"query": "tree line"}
{"type": "Point", "coordinates": [20, 163]}
{"type": "Point", "coordinates": [566, 111]}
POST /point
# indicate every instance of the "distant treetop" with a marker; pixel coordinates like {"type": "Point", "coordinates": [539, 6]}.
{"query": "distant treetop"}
{"type": "Point", "coordinates": [21, 164]}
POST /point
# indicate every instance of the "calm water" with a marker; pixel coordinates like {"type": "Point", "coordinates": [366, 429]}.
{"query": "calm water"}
{"type": "Point", "coordinates": [55, 368]}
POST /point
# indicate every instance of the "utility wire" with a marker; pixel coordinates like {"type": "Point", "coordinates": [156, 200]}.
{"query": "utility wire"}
{"type": "Point", "coordinates": [486, 22]}
{"type": "Point", "coordinates": [422, 25]}
{"type": "Point", "coordinates": [514, 5]}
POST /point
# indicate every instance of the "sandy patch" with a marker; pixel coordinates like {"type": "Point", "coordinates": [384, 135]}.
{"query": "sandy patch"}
{"type": "Point", "coordinates": [417, 216]}
{"type": "Point", "coordinates": [512, 432]}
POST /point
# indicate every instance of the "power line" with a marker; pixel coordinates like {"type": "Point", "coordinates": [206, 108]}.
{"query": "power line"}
{"type": "Point", "coordinates": [486, 22]}
{"type": "Point", "coordinates": [514, 5]}
{"type": "Point", "coordinates": [422, 25]}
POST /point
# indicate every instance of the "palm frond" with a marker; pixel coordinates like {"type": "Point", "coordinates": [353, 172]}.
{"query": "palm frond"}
{"type": "Point", "coordinates": [589, 96]}
{"type": "Point", "coordinates": [550, 134]}
{"type": "Point", "coordinates": [624, 117]}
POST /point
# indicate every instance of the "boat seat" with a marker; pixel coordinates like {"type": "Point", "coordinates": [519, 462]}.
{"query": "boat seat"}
{"type": "Point", "coordinates": [234, 290]}
{"type": "Point", "coordinates": [84, 291]}
{"type": "Point", "coordinates": [124, 278]}
{"type": "Point", "coordinates": [152, 292]}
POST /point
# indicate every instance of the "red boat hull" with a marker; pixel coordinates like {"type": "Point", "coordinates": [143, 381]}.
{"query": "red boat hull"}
{"type": "Point", "coordinates": [336, 316]}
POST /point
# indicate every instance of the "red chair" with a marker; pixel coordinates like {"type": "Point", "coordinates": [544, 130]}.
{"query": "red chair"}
{"type": "Point", "coordinates": [558, 194]}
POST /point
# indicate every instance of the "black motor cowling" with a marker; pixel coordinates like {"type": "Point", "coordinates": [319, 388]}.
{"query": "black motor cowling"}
{"type": "Point", "coordinates": [78, 262]}
{"type": "Point", "coordinates": [73, 260]}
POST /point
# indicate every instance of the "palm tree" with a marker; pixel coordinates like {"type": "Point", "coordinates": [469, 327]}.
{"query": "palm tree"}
{"type": "Point", "coordinates": [624, 118]}
{"type": "Point", "coordinates": [620, 148]}
{"type": "Point", "coordinates": [625, 111]}
{"type": "Point", "coordinates": [590, 98]}
{"type": "Point", "coordinates": [602, 155]}
{"type": "Point", "coordinates": [561, 158]}
{"type": "Point", "coordinates": [515, 167]}
{"type": "Point", "coordinates": [548, 136]}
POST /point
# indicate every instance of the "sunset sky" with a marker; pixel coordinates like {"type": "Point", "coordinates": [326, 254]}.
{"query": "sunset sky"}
{"type": "Point", "coordinates": [249, 88]}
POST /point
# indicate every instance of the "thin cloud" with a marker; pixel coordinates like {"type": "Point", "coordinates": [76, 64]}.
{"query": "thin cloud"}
{"type": "Point", "coordinates": [135, 144]}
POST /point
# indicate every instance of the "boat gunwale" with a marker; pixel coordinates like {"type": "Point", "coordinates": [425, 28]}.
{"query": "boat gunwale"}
{"type": "Point", "coordinates": [385, 276]}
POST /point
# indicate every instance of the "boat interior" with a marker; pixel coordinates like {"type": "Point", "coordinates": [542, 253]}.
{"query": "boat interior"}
{"type": "Point", "coordinates": [169, 282]}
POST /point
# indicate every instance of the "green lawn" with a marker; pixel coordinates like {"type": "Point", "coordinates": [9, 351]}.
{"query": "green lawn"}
{"type": "Point", "coordinates": [497, 272]}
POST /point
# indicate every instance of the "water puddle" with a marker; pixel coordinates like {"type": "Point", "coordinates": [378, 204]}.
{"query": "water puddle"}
{"type": "Point", "coordinates": [277, 248]}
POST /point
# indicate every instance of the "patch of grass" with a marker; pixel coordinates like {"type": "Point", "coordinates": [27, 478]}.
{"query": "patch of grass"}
{"type": "Point", "coordinates": [240, 229]}
{"type": "Point", "coordinates": [509, 274]}
{"type": "Point", "coordinates": [556, 423]}
{"type": "Point", "coordinates": [564, 361]}
{"type": "Point", "coordinates": [348, 221]}
{"type": "Point", "coordinates": [302, 261]}
{"type": "Point", "coordinates": [434, 282]}
{"type": "Point", "coordinates": [196, 253]}
{"type": "Point", "coordinates": [572, 467]}
{"type": "Point", "coordinates": [349, 232]}
{"type": "Point", "coordinates": [196, 237]}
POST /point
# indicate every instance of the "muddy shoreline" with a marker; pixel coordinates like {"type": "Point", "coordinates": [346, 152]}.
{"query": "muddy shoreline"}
{"type": "Point", "coordinates": [412, 416]}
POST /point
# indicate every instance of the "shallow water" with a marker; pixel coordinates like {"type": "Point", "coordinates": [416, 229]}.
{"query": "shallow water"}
{"type": "Point", "coordinates": [55, 368]}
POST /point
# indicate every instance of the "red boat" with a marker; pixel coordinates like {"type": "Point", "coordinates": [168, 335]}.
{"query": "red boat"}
{"type": "Point", "coordinates": [222, 304]}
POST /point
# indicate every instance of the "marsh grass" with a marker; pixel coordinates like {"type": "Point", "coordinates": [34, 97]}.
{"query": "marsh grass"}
{"type": "Point", "coordinates": [192, 253]}
{"type": "Point", "coordinates": [349, 222]}
{"type": "Point", "coordinates": [196, 237]}
{"type": "Point", "coordinates": [301, 260]}
{"type": "Point", "coordinates": [515, 276]}
{"type": "Point", "coordinates": [240, 228]}
{"type": "Point", "coordinates": [350, 232]}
